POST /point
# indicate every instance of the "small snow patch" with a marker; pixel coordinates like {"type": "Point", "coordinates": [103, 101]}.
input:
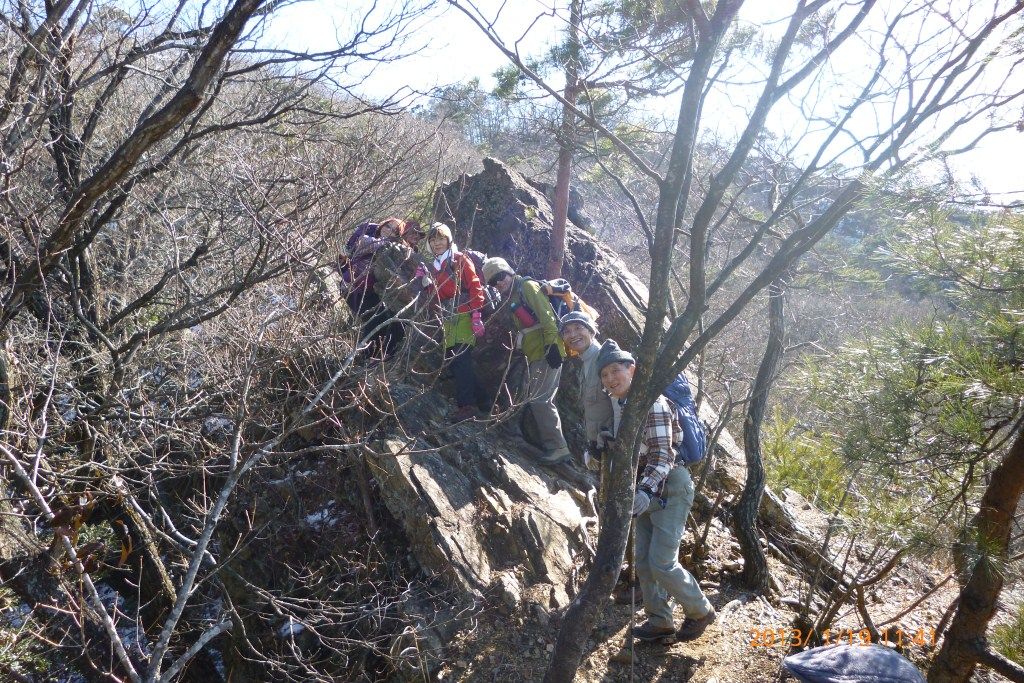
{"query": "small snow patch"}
{"type": "Point", "coordinates": [322, 518]}
{"type": "Point", "coordinates": [290, 629]}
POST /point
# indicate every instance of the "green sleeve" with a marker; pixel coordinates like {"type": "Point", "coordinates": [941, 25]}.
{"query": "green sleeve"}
{"type": "Point", "coordinates": [536, 300]}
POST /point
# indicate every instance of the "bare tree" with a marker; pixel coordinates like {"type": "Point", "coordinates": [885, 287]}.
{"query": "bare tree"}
{"type": "Point", "coordinates": [943, 93]}
{"type": "Point", "coordinates": [755, 569]}
{"type": "Point", "coordinates": [566, 144]}
{"type": "Point", "coordinates": [171, 183]}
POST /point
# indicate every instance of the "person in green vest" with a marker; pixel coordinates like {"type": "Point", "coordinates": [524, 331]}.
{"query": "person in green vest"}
{"type": "Point", "coordinates": [540, 342]}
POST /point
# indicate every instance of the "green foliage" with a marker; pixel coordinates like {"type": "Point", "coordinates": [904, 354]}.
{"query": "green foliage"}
{"type": "Point", "coordinates": [506, 82]}
{"type": "Point", "coordinates": [18, 650]}
{"type": "Point", "coordinates": [806, 463]}
{"type": "Point", "coordinates": [917, 408]}
{"type": "Point", "coordinates": [1008, 639]}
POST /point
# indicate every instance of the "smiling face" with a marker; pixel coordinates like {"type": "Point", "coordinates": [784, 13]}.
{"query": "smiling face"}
{"type": "Point", "coordinates": [503, 284]}
{"type": "Point", "coordinates": [438, 244]}
{"type": "Point", "coordinates": [617, 378]}
{"type": "Point", "coordinates": [577, 337]}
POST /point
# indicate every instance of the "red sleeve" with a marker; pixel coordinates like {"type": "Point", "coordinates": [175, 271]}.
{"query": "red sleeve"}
{"type": "Point", "coordinates": [472, 284]}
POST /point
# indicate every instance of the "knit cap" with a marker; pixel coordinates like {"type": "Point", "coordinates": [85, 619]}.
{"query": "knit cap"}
{"type": "Point", "coordinates": [440, 229]}
{"type": "Point", "coordinates": [611, 353]}
{"type": "Point", "coordinates": [577, 317]}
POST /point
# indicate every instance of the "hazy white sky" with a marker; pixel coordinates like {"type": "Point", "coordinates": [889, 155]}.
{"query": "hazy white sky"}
{"type": "Point", "coordinates": [450, 49]}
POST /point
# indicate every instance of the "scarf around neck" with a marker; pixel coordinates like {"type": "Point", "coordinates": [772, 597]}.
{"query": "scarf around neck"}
{"type": "Point", "coordinates": [439, 260]}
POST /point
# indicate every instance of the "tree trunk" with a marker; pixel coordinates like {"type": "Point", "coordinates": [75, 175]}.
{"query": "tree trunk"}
{"type": "Point", "coordinates": [755, 569]}
{"type": "Point", "coordinates": [987, 552]}
{"type": "Point", "coordinates": [566, 142]}
{"type": "Point", "coordinates": [582, 614]}
{"type": "Point", "coordinates": [498, 212]}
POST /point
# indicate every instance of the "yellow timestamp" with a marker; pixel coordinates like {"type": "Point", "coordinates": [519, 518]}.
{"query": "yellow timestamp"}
{"type": "Point", "coordinates": [797, 637]}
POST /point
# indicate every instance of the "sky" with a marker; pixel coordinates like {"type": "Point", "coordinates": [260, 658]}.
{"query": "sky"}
{"type": "Point", "coordinates": [448, 48]}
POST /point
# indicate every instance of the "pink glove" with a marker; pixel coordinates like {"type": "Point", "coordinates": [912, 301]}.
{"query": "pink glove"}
{"type": "Point", "coordinates": [422, 276]}
{"type": "Point", "coordinates": [477, 325]}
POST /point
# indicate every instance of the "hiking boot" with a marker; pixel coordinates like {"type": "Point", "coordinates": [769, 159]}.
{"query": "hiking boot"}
{"type": "Point", "coordinates": [647, 632]}
{"type": "Point", "coordinates": [692, 629]}
{"type": "Point", "coordinates": [555, 456]}
{"type": "Point", "coordinates": [464, 413]}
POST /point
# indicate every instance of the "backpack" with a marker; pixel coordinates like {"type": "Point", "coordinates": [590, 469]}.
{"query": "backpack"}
{"type": "Point", "coordinates": [563, 299]}
{"type": "Point", "coordinates": [345, 260]}
{"type": "Point", "coordinates": [492, 299]}
{"type": "Point", "coordinates": [478, 258]}
{"type": "Point", "coordinates": [695, 435]}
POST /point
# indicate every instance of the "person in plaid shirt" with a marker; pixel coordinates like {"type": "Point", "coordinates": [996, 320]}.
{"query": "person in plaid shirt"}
{"type": "Point", "coordinates": [661, 503]}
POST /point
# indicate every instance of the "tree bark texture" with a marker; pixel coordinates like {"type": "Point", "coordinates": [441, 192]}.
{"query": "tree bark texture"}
{"type": "Point", "coordinates": [987, 550]}
{"type": "Point", "coordinates": [499, 212]}
{"type": "Point", "coordinates": [1000, 664]}
{"type": "Point", "coordinates": [755, 569]}
{"type": "Point", "coordinates": [566, 141]}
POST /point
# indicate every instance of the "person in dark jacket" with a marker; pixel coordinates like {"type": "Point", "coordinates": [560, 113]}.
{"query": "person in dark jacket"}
{"type": "Point", "coordinates": [362, 298]}
{"type": "Point", "coordinates": [453, 281]}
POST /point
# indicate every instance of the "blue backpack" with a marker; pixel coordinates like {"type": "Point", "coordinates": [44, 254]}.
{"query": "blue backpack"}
{"type": "Point", "coordinates": [695, 434]}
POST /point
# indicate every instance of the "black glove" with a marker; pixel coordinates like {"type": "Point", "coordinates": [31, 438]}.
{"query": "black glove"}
{"type": "Point", "coordinates": [553, 356]}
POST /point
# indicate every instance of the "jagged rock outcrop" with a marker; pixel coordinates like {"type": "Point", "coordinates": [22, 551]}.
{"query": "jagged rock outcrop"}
{"type": "Point", "coordinates": [481, 517]}
{"type": "Point", "coordinates": [479, 513]}
{"type": "Point", "coordinates": [500, 213]}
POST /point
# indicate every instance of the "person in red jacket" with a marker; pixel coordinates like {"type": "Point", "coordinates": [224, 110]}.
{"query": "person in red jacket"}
{"type": "Point", "coordinates": [453, 279]}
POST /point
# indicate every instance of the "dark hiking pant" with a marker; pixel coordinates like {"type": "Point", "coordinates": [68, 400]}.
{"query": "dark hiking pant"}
{"type": "Point", "coordinates": [372, 312]}
{"type": "Point", "coordinates": [467, 389]}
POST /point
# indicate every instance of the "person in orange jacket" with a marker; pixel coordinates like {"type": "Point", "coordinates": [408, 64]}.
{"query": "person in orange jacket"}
{"type": "Point", "coordinates": [453, 279]}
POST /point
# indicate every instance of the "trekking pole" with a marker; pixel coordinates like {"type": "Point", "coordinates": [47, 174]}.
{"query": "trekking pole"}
{"type": "Point", "coordinates": [632, 601]}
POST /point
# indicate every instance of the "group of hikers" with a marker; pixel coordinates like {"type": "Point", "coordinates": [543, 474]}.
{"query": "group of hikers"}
{"type": "Point", "coordinates": [461, 284]}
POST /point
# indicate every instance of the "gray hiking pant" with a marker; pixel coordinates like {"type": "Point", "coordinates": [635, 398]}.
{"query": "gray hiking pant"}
{"type": "Point", "coordinates": [541, 386]}
{"type": "Point", "coordinates": [658, 534]}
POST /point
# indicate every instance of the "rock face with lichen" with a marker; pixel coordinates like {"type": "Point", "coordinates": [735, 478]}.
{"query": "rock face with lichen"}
{"type": "Point", "coordinates": [479, 513]}
{"type": "Point", "coordinates": [500, 213]}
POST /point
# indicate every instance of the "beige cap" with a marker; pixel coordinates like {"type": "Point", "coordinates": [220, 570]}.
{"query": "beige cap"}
{"type": "Point", "coordinates": [494, 266]}
{"type": "Point", "coordinates": [440, 229]}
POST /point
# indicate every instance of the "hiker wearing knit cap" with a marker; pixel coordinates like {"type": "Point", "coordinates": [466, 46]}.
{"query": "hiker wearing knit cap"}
{"type": "Point", "coordinates": [661, 503]}
{"type": "Point", "coordinates": [453, 280]}
{"type": "Point", "coordinates": [440, 229]}
{"type": "Point", "coordinates": [538, 338]}
{"type": "Point", "coordinates": [579, 334]}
